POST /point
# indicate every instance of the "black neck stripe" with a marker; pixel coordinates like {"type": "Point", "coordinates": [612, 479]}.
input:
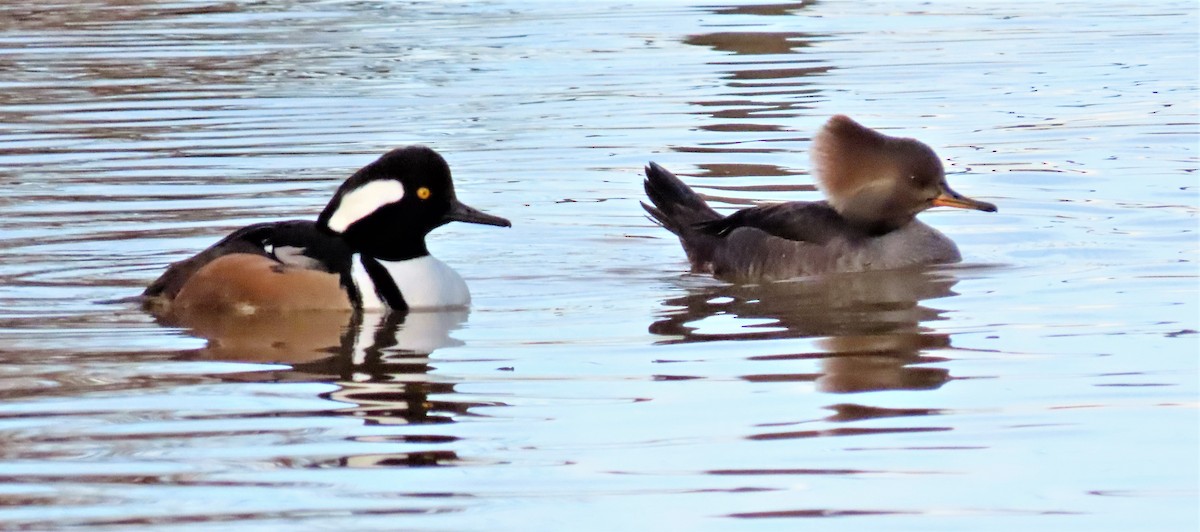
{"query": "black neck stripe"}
{"type": "Point", "coordinates": [385, 286]}
{"type": "Point", "coordinates": [347, 278]}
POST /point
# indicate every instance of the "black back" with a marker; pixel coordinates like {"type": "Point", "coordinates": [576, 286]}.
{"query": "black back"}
{"type": "Point", "coordinates": [814, 222]}
{"type": "Point", "coordinates": [319, 250]}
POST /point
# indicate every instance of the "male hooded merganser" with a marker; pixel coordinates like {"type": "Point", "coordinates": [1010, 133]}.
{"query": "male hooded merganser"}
{"type": "Point", "coordinates": [876, 186]}
{"type": "Point", "coordinates": [365, 251]}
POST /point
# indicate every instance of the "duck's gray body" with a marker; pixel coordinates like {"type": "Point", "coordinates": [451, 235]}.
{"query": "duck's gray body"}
{"type": "Point", "coordinates": [785, 240]}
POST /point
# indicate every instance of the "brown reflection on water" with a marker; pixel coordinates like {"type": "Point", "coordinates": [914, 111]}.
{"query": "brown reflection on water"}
{"type": "Point", "coordinates": [379, 363]}
{"type": "Point", "coordinates": [751, 43]}
{"type": "Point", "coordinates": [783, 9]}
{"type": "Point", "coordinates": [291, 338]}
{"type": "Point", "coordinates": [67, 41]}
{"type": "Point", "coordinates": [767, 87]}
{"type": "Point", "coordinates": [56, 15]}
{"type": "Point", "coordinates": [764, 77]}
{"type": "Point", "coordinates": [867, 325]}
{"type": "Point", "coordinates": [867, 328]}
{"type": "Point", "coordinates": [744, 169]}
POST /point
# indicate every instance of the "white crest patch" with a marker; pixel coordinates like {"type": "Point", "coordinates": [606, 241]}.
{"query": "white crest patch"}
{"type": "Point", "coordinates": [362, 201]}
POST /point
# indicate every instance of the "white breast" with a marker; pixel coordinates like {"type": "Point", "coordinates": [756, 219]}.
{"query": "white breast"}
{"type": "Point", "coordinates": [425, 282]}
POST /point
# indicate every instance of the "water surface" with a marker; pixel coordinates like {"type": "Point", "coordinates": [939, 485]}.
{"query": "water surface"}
{"type": "Point", "coordinates": [1049, 382]}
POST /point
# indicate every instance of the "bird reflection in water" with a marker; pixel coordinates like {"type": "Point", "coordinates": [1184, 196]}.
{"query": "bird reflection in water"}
{"type": "Point", "coordinates": [380, 364]}
{"type": "Point", "coordinates": [867, 325]}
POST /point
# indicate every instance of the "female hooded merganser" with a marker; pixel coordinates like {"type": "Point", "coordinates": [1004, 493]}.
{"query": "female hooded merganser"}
{"type": "Point", "coordinates": [876, 186]}
{"type": "Point", "coordinates": [365, 251]}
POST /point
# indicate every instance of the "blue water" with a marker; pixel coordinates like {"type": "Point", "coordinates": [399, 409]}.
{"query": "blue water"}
{"type": "Point", "coordinates": [1048, 382]}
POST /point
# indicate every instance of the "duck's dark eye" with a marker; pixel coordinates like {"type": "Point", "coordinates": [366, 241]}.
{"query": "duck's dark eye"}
{"type": "Point", "coordinates": [424, 193]}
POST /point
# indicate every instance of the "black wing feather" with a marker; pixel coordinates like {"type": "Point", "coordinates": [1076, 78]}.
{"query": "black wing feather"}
{"type": "Point", "coordinates": [813, 222]}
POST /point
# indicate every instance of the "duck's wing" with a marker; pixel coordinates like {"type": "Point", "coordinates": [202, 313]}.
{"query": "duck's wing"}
{"type": "Point", "coordinates": [812, 222]}
{"type": "Point", "coordinates": [293, 244]}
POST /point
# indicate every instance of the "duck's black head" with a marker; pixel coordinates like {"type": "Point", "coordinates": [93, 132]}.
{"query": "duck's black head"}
{"type": "Point", "coordinates": [385, 209]}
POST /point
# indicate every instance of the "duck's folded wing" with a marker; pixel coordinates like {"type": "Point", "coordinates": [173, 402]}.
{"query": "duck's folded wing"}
{"type": "Point", "coordinates": [812, 222]}
{"type": "Point", "coordinates": [294, 244]}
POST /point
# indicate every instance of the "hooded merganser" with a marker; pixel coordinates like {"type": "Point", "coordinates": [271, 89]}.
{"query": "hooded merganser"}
{"type": "Point", "coordinates": [366, 251]}
{"type": "Point", "coordinates": [876, 186]}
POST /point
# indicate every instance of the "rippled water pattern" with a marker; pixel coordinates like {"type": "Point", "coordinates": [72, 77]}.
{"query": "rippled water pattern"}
{"type": "Point", "coordinates": [1048, 383]}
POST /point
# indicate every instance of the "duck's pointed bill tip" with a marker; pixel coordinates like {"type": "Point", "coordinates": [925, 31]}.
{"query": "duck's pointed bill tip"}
{"type": "Point", "coordinates": [460, 212]}
{"type": "Point", "coordinates": [962, 202]}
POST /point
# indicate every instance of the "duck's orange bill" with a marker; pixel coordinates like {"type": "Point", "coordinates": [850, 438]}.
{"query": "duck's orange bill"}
{"type": "Point", "coordinates": [950, 198]}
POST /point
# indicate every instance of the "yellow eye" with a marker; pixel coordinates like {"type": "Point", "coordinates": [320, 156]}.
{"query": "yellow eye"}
{"type": "Point", "coordinates": [423, 193]}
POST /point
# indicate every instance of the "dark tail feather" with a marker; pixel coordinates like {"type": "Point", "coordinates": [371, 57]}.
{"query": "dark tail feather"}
{"type": "Point", "coordinates": [682, 211]}
{"type": "Point", "coordinates": [676, 206]}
